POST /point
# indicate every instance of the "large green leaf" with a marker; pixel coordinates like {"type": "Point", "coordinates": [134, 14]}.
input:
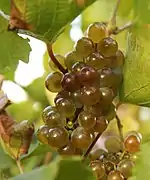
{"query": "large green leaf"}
{"type": "Point", "coordinates": [136, 83]}
{"type": "Point", "coordinates": [5, 6]}
{"type": "Point", "coordinates": [49, 17]}
{"type": "Point", "coordinates": [60, 169]}
{"type": "Point", "coordinates": [12, 48]}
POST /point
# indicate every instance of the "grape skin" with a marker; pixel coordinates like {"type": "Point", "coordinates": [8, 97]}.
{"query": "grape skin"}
{"type": "Point", "coordinates": [42, 134]}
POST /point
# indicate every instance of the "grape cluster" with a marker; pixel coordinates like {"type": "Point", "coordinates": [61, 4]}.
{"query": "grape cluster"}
{"type": "Point", "coordinates": [118, 158]}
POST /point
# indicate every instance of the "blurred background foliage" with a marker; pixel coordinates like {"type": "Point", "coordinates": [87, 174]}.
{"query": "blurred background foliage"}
{"type": "Point", "coordinates": [29, 96]}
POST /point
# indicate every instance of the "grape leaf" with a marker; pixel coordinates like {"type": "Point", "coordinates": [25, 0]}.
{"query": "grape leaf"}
{"type": "Point", "coordinates": [136, 83]}
{"type": "Point", "coordinates": [12, 48]}
{"type": "Point", "coordinates": [60, 169]}
{"type": "Point", "coordinates": [142, 164]}
{"type": "Point", "coordinates": [46, 19]}
{"type": "Point", "coordinates": [5, 6]}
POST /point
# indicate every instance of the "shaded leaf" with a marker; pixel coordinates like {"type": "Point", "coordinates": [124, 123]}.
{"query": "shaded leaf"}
{"type": "Point", "coordinates": [136, 83]}
{"type": "Point", "coordinates": [5, 6]}
{"type": "Point", "coordinates": [47, 19]}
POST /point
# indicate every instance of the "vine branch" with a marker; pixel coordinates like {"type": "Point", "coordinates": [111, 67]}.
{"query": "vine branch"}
{"type": "Point", "coordinates": [122, 28]}
{"type": "Point", "coordinates": [91, 146]}
{"type": "Point", "coordinates": [120, 128]}
{"type": "Point", "coordinates": [53, 58]}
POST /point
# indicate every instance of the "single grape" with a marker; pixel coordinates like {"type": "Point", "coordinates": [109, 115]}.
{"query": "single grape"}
{"type": "Point", "coordinates": [80, 138]}
{"type": "Point", "coordinates": [134, 157]}
{"type": "Point", "coordinates": [60, 59]}
{"type": "Point", "coordinates": [84, 47]}
{"type": "Point", "coordinates": [68, 150]}
{"type": "Point", "coordinates": [132, 143]}
{"type": "Point", "coordinates": [135, 133]}
{"type": "Point", "coordinates": [115, 175]}
{"type": "Point", "coordinates": [125, 167]}
{"type": "Point", "coordinates": [110, 114]}
{"type": "Point", "coordinates": [96, 31]}
{"type": "Point", "coordinates": [76, 68]}
{"type": "Point", "coordinates": [76, 96]}
{"type": "Point", "coordinates": [96, 109]}
{"type": "Point", "coordinates": [53, 82]}
{"type": "Point", "coordinates": [46, 111]}
{"type": "Point", "coordinates": [54, 119]}
{"type": "Point", "coordinates": [96, 60]}
{"type": "Point", "coordinates": [71, 58]}
{"type": "Point", "coordinates": [42, 134]}
{"type": "Point", "coordinates": [107, 95]}
{"type": "Point", "coordinates": [98, 154]}
{"type": "Point", "coordinates": [113, 144]}
{"type": "Point", "coordinates": [70, 82]}
{"type": "Point", "coordinates": [101, 124]}
{"type": "Point", "coordinates": [108, 47]}
{"type": "Point", "coordinates": [66, 107]}
{"type": "Point", "coordinates": [90, 95]}
{"type": "Point", "coordinates": [109, 166]}
{"type": "Point", "coordinates": [63, 94]}
{"type": "Point", "coordinates": [88, 76]}
{"type": "Point", "coordinates": [87, 120]}
{"type": "Point", "coordinates": [98, 168]}
{"type": "Point", "coordinates": [58, 137]}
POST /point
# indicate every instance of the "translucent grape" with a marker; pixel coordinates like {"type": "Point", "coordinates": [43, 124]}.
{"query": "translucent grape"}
{"type": "Point", "coordinates": [107, 95]}
{"type": "Point", "coordinates": [109, 166]}
{"type": "Point", "coordinates": [60, 59]}
{"type": "Point", "coordinates": [125, 167]}
{"type": "Point", "coordinates": [108, 47]}
{"type": "Point", "coordinates": [90, 95]}
{"type": "Point", "coordinates": [95, 109]}
{"type": "Point", "coordinates": [53, 82]}
{"type": "Point", "coordinates": [58, 137]}
{"type": "Point", "coordinates": [42, 134]}
{"type": "Point", "coordinates": [76, 96]}
{"type": "Point", "coordinates": [66, 107]}
{"type": "Point", "coordinates": [101, 124]}
{"type": "Point", "coordinates": [76, 68]}
{"type": "Point", "coordinates": [98, 154]}
{"type": "Point", "coordinates": [84, 47]}
{"type": "Point", "coordinates": [87, 120]}
{"type": "Point", "coordinates": [115, 175]}
{"type": "Point", "coordinates": [80, 138]}
{"type": "Point", "coordinates": [63, 94]}
{"type": "Point", "coordinates": [70, 82]}
{"type": "Point", "coordinates": [98, 168]}
{"type": "Point", "coordinates": [46, 111]}
{"type": "Point", "coordinates": [68, 150]}
{"type": "Point", "coordinates": [96, 31]}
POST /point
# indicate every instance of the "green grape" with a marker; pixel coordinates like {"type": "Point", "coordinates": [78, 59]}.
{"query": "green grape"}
{"type": "Point", "coordinates": [60, 59]}
{"type": "Point", "coordinates": [90, 95]}
{"type": "Point", "coordinates": [88, 76]}
{"type": "Point", "coordinates": [58, 137]}
{"type": "Point", "coordinates": [107, 95]}
{"type": "Point", "coordinates": [42, 134]}
{"type": "Point", "coordinates": [71, 58]}
{"type": "Point", "coordinates": [98, 169]}
{"type": "Point", "coordinates": [113, 144]}
{"type": "Point", "coordinates": [76, 68]}
{"type": "Point", "coordinates": [116, 61]}
{"type": "Point", "coordinates": [115, 175]}
{"type": "Point", "coordinates": [84, 47]}
{"type": "Point", "coordinates": [87, 120]}
{"type": "Point", "coordinates": [98, 154]}
{"type": "Point", "coordinates": [96, 31]}
{"type": "Point", "coordinates": [76, 96]}
{"type": "Point", "coordinates": [111, 113]}
{"type": "Point", "coordinates": [132, 143]}
{"type": "Point", "coordinates": [80, 138]}
{"type": "Point", "coordinates": [46, 111]}
{"type": "Point", "coordinates": [108, 47]}
{"type": "Point", "coordinates": [68, 150]}
{"type": "Point", "coordinates": [70, 82]}
{"type": "Point", "coordinates": [53, 82]}
{"type": "Point", "coordinates": [101, 124]}
{"type": "Point", "coordinates": [125, 167]}
{"type": "Point", "coordinates": [96, 109]}
{"type": "Point", "coordinates": [109, 166]}
{"type": "Point", "coordinates": [54, 119]}
{"type": "Point", "coordinates": [66, 107]}
{"type": "Point", "coordinates": [96, 60]}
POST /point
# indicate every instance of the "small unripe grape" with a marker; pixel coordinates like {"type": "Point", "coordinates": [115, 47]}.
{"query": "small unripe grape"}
{"type": "Point", "coordinates": [96, 31]}
{"type": "Point", "coordinates": [42, 134]}
{"type": "Point", "coordinates": [132, 143]}
{"type": "Point", "coordinates": [107, 95]}
{"type": "Point", "coordinates": [115, 175]}
{"type": "Point", "coordinates": [87, 120]}
{"type": "Point", "coordinates": [53, 82]}
{"type": "Point", "coordinates": [68, 150]}
{"type": "Point", "coordinates": [66, 107]}
{"type": "Point", "coordinates": [135, 133]}
{"type": "Point", "coordinates": [101, 124]}
{"type": "Point", "coordinates": [98, 154]}
{"type": "Point", "coordinates": [90, 95]}
{"type": "Point", "coordinates": [60, 59]}
{"type": "Point", "coordinates": [98, 168]}
{"type": "Point", "coordinates": [108, 47]}
{"type": "Point", "coordinates": [125, 167]}
{"type": "Point", "coordinates": [46, 111]}
{"type": "Point", "coordinates": [80, 138]}
{"type": "Point", "coordinates": [70, 82]}
{"type": "Point", "coordinates": [58, 137]}
{"type": "Point", "coordinates": [113, 144]}
{"type": "Point", "coordinates": [109, 166]}
{"type": "Point", "coordinates": [84, 47]}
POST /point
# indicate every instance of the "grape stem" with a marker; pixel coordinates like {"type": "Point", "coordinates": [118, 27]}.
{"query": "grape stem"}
{"type": "Point", "coordinates": [120, 128]}
{"type": "Point", "coordinates": [53, 58]}
{"type": "Point", "coordinates": [117, 30]}
{"type": "Point", "coordinates": [19, 166]}
{"type": "Point", "coordinates": [91, 147]}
